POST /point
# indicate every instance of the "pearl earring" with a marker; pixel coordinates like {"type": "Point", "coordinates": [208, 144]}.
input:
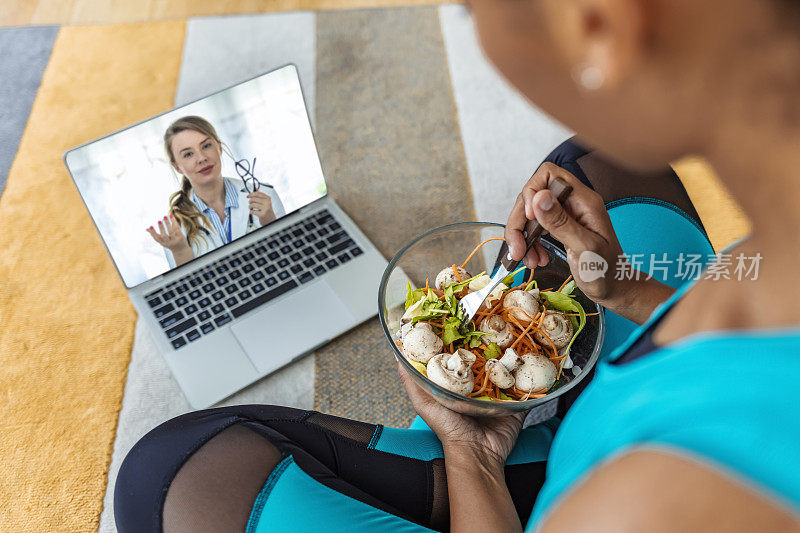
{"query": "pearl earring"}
{"type": "Point", "coordinates": [589, 77]}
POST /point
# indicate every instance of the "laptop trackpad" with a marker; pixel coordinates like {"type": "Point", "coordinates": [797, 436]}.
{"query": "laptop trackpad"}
{"type": "Point", "coordinates": [283, 330]}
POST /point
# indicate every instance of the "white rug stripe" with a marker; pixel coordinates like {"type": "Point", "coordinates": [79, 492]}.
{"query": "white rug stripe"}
{"type": "Point", "coordinates": [222, 51]}
{"type": "Point", "coordinates": [505, 137]}
{"type": "Point", "coordinates": [219, 51]}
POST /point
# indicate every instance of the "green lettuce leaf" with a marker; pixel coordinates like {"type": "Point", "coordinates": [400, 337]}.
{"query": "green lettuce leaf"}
{"type": "Point", "coordinates": [559, 301]}
{"type": "Point", "coordinates": [413, 295]}
{"type": "Point", "coordinates": [493, 351]}
{"type": "Point", "coordinates": [450, 300]}
{"type": "Point", "coordinates": [451, 332]}
{"type": "Point", "coordinates": [581, 323]}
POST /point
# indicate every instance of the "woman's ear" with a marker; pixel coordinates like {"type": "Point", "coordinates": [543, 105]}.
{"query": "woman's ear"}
{"type": "Point", "coordinates": [611, 42]}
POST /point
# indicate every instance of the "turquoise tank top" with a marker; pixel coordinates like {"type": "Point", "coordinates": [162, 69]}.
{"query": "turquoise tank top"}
{"type": "Point", "coordinates": [728, 399]}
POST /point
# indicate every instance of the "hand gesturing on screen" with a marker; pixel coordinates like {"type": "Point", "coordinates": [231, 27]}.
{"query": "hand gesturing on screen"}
{"type": "Point", "coordinates": [169, 235]}
{"type": "Point", "coordinates": [261, 206]}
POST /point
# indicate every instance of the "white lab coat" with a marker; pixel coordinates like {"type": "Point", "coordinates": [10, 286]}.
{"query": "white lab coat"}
{"type": "Point", "coordinates": [239, 222]}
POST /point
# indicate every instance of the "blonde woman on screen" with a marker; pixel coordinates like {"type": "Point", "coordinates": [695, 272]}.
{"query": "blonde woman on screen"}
{"type": "Point", "coordinates": [209, 210]}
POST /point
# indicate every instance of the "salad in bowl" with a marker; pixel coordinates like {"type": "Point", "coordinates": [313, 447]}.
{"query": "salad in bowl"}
{"type": "Point", "coordinates": [535, 336]}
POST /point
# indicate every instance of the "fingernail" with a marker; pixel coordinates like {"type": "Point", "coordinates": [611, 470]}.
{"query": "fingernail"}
{"type": "Point", "coordinates": [171, 216]}
{"type": "Point", "coordinates": [546, 201]}
{"type": "Point", "coordinates": [511, 250]}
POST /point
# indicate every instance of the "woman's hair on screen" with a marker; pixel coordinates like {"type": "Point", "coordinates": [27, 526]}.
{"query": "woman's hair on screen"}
{"type": "Point", "coordinates": [193, 222]}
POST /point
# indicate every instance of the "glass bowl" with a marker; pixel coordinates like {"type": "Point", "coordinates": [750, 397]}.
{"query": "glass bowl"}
{"type": "Point", "coordinates": [429, 253]}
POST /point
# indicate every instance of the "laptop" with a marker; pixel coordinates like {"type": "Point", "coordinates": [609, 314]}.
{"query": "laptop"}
{"type": "Point", "coordinates": [217, 218]}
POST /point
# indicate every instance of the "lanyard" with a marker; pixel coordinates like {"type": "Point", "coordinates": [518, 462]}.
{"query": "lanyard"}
{"type": "Point", "coordinates": [228, 220]}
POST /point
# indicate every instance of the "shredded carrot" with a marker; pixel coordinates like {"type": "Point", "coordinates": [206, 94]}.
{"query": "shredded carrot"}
{"type": "Point", "coordinates": [565, 283]}
{"type": "Point", "coordinates": [522, 335]}
{"type": "Point", "coordinates": [464, 264]}
{"type": "Point", "coordinates": [483, 387]}
{"type": "Point", "coordinates": [510, 307]}
{"type": "Point", "coordinates": [455, 271]}
{"type": "Point", "coordinates": [541, 318]}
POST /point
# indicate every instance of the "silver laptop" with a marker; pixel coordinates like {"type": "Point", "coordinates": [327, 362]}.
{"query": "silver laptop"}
{"type": "Point", "coordinates": [217, 218]}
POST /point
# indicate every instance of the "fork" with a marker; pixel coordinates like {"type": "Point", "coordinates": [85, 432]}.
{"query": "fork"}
{"type": "Point", "coordinates": [472, 302]}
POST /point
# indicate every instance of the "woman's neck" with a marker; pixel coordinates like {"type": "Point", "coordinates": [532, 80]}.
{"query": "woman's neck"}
{"type": "Point", "coordinates": [763, 174]}
{"type": "Point", "coordinates": [213, 194]}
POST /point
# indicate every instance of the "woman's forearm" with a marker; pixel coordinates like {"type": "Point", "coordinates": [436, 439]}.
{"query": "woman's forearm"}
{"type": "Point", "coordinates": [183, 255]}
{"type": "Point", "coordinates": [479, 497]}
{"type": "Point", "coordinates": [635, 299]}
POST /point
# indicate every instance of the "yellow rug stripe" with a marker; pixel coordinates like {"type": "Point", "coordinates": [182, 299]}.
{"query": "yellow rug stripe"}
{"type": "Point", "coordinates": [722, 217]}
{"type": "Point", "coordinates": [105, 12]}
{"type": "Point", "coordinates": [67, 323]}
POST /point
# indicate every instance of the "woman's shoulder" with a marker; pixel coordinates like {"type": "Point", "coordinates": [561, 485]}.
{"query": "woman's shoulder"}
{"type": "Point", "coordinates": [728, 397]}
{"type": "Point", "coordinates": [657, 489]}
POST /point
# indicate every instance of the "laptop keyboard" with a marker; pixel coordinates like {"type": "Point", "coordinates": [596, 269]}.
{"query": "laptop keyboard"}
{"type": "Point", "coordinates": [227, 289]}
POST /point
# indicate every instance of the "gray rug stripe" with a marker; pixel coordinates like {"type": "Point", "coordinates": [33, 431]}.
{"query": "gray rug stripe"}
{"type": "Point", "coordinates": [392, 155]}
{"type": "Point", "coordinates": [24, 53]}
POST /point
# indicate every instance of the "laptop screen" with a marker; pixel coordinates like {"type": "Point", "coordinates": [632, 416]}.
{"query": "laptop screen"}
{"type": "Point", "coordinates": [186, 182]}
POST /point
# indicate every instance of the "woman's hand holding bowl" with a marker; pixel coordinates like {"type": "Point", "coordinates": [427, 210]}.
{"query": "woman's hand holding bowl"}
{"type": "Point", "coordinates": [488, 440]}
{"type": "Point", "coordinates": [475, 453]}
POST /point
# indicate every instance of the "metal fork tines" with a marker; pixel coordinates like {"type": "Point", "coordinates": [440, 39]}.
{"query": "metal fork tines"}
{"type": "Point", "coordinates": [533, 230]}
{"type": "Point", "coordinates": [472, 302]}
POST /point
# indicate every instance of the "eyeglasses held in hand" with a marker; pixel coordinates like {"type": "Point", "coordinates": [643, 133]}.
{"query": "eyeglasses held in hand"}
{"type": "Point", "coordinates": [251, 184]}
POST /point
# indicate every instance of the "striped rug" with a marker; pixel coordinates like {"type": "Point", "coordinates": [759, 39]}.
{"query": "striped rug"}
{"type": "Point", "coordinates": [406, 112]}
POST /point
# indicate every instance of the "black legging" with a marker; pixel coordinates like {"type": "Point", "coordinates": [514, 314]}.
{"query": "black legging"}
{"type": "Point", "coordinates": [203, 470]}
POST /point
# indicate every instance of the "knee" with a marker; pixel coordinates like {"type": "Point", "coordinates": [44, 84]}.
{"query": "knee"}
{"type": "Point", "coordinates": [566, 156]}
{"type": "Point", "coordinates": [567, 152]}
{"type": "Point", "coordinates": [151, 465]}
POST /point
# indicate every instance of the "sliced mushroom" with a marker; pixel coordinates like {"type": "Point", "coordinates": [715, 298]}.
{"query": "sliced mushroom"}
{"type": "Point", "coordinates": [511, 360]}
{"type": "Point", "coordinates": [453, 371]}
{"type": "Point", "coordinates": [497, 331]}
{"type": "Point", "coordinates": [421, 343]}
{"type": "Point", "coordinates": [404, 329]}
{"type": "Point", "coordinates": [498, 374]}
{"type": "Point", "coordinates": [558, 328]}
{"type": "Point", "coordinates": [522, 305]}
{"type": "Point", "coordinates": [448, 277]}
{"type": "Point", "coordinates": [500, 370]}
{"type": "Point", "coordinates": [536, 373]}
